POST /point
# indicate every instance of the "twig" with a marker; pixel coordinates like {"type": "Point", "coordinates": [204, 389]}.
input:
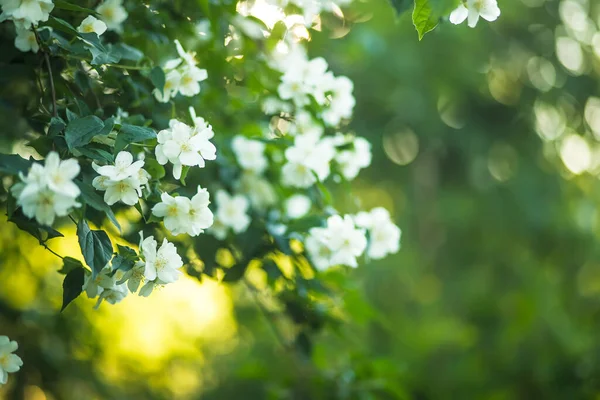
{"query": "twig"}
{"type": "Point", "coordinates": [52, 251]}
{"type": "Point", "coordinates": [268, 316]}
{"type": "Point", "coordinates": [73, 219]}
{"type": "Point", "coordinates": [52, 90]}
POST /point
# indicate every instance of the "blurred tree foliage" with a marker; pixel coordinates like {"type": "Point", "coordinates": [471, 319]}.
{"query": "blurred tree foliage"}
{"type": "Point", "coordinates": [496, 292]}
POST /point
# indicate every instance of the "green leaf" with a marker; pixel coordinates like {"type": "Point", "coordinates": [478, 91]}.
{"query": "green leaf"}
{"type": "Point", "coordinates": [127, 52]}
{"type": "Point", "coordinates": [109, 124]}
{"type": "Point", "coordinates": [41, 232]}
{"type": "Point", "coordinates": [97, 154]}
{"type": "Point", "coordinates": [13, 164]}
{"type": "Point", "coordinates": [125, 260]}
{"type": "Point", "coordinates": [132, 134]}
{"type": "Point", "coordinates": [57, 125]}
{"type": "Point", "coordinates": [43, 144]}
{"type": "Point", "coordinates": [401, 6]}
{"type": "Point", "coordinates": [93, 199]}
{"type": "Point", "coordinates": [71, 116]}
{"type": "Point", "coordinates": [157, 76]}
{"type": "Point", "coordinates": [184, 171]}
{"type": "Point", "coordinates": [72, 286]}
{"type": "Point", "coordinates": [423, 18]}
{"type": "Point", "coordinates": [62, 25]}
{"type": "Point", "coordinates": [80, 131]}
{"type": "Point", "coordinates": [63, 5]}
{"type": "Point", "coordinates": [95, 246]}
{"type": "Point", "coordinates": [69, 264]}
{"type": "Point", "coordinates": [108, 56]}
{"type": "Point", "coordinates": [155, 170]}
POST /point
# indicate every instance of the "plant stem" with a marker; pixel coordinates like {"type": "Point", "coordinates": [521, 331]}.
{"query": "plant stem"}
{"type": "Point", "coordinates": [52, 251]}
{"type": "Point", "coordinates": [52, 90]}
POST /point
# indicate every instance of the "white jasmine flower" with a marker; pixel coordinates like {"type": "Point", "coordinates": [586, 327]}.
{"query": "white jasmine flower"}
{"type": "Point", "coordinates": [250, 154]}
{"type": "Point", "coordinates": [471, 10]}
{"type": "Point", "coordinates": [231, 212]}
{"type": "Point", "coordinates": [126, 191]}
{"type": "Point", "coordinates": [337, 244]}
{"type": "Point", "coordinates": [48, 191]}
{"type": "Point", "coordinates": [351, 161]}
{"type": "Point", "coordinates": [297, 206]}
{"type": "Point", "coordinates": [162, 263]}
{"type": "Point", "coordinates": [308, 159]}
{"type": "Point", "coordinates": [9, 362]}
{"type": "Point", "coordinates": [26, 41]}
{"type": "Point", "coordinates": [191, 76]}
{"type": "Point", "coordinates": [26, 12]}
{"type": "Point", "coordinates": [292, 88]}
{"type": "Point", "coordinates": [94, 287]}
{"type": "Point", "coordinates": [384, 235]}
{"type": "Point", "coordinates": [174, 211]}
{"type": "Point", "coordinates": [341, 103]}
{"type": "Point", "coordinates": [112, 295]}
{"type": "Point", "coordinates": [92, 25]}
{"type": "Point", "coordinates": [345, 240]}
{"type": "Point", "coordinates": [172, 81]}
{"type": "Point", "coordinates": [182, 145]}
{"type": "Point", "coordinates": [60, 175]}
{"type": "Point", "coordinates": [124, 167]}
{"type": "Point", "coordinates": [199, 216]}
{"type": "Point", "coordinates": [134, 277]}
{"type": "Point", "coordinates": [113, 14]}
{"type": "Point", "coordinates": [318, 248]}
{"type": "Point", "coordinates": [273, 105]}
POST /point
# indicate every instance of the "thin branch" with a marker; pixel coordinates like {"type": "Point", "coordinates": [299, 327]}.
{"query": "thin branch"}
{"type": "Point", "coordinates": [73, 219]}
{"type": "Point", "coordinates": [52, 251]}
{"type": "Point", "coordinates": [52, 90]}
{"type": "Point", "coordinates": [129, 67]}
{"type": "Point", "coordinates": [268, 315]}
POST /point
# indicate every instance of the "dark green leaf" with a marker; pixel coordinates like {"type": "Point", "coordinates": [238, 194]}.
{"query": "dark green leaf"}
{"type": "Point", "coordinates": [155, 170]}
{"type": "Point", "coordinates": [92, 199]}
{"type": "Point", "coordinates": [57, 125]}
{"type": "Point", "coordinates": [127, 52]}
{"type": "Point", "coordinates": [63, 5]}
{"type": "Point", "coordinates": [41, 232]}
{"type": "Point", "coordinates": [62, 25]}
{"type": "Point", "coordinates": [13, 164]}
{"type": "Point", "coordinates": [71, 116]}
{"type": "Point", "coordinates": [72, 286]}
{"type": "Point", "coordinates": [80, 131]}
{"type": "Point", "coordinates": [69, 264]}
{"type": "Point", "coordinates": [157, 76]}
{"type": "Point", "coordinates": [95, 246]}
{"type": "Point", "coordinates": [97, 154]}
{"type": "Point", "coordinates": [401, 6]}
{"type": "Point", "coordinates": [43, 144]}
{"type": "Point", "coordinates": [132, 134]}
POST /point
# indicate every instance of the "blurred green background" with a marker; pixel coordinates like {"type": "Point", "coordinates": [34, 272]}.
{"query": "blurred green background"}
{"type": "Point", "coordinates": [486, 151]}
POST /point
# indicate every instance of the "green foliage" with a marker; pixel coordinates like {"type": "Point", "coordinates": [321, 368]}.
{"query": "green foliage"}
{"type": "Point", "coordinates": [72, 286]}
{"type": "Point", "coordinates": [81, 131]}
{"type": "Point", "coordinates": [95, 245]}
{"type": "Point", "coordinates": [423, 17]}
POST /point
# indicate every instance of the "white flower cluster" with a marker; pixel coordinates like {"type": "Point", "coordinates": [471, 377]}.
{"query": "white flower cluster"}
{"type": "Point", "coordinates": [339, 243]}
{"type": "Point", "coordinates": [48, 191]}
{"type": "Point", "coordinates": [113, 14]}
{"type": "Point", "coordinates": [312, 8]}
{"type": "Point", "coordinates": [251, 157]}
{"type": "Point", "coordinates": [345, 238]}
{"type": "Point", "coordinates": [181, 76]}
{"type": "Point", "coordinates": [471, 10]}
{"type": "Point", "coordinates": [183, 215]}
{"type": "Point", "coordinates": [182, 145]}
{"type": "Point", "coordinates": [104, 286]}
{"type": "Point", "coordinates": [157, 267]}
{"type": "Point", "coordinates": [305, 79]}
{"type": "Point", "coordinates": [26, 14]}
{"type": "Point", "coordinates": [122, 181]}
{"type": "Point", "coordinates": [307, 160]}
{"type": "Point", "coordinates": [384, 235]}
{"type": "Point", "coordinates": [9, 362]}
{"type": "Point", "coordinates": [231, 214]}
